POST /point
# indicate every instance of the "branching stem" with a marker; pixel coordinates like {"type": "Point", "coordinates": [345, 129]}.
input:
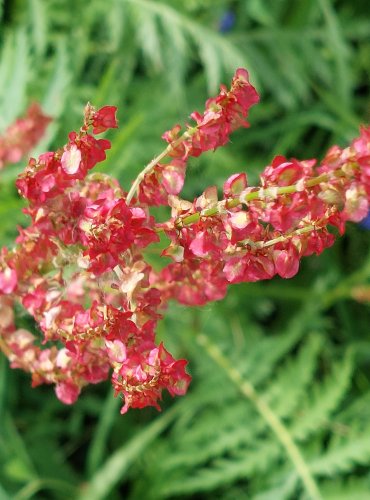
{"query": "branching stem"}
{"type": "Point", "coordinates": [258, 194]}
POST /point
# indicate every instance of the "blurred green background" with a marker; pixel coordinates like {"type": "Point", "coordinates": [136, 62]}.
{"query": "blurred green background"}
{"type": "Point", "coordinates": [292, 420]}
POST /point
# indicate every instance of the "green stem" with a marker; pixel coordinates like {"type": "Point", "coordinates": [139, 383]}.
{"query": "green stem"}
{"type": "Point", "coordinates": [99, 440]}
{"type": "Point", "coordinates": [4, 348]}
{"type": "Point", "coordinates": [258, 194]}
{"type": "Point", "coordinates": [173, 145]}
{"type": "Point", "coordinates": [273, 421]}
{"type": "Point", "coordinates": [270, 243]}
{"type": "Point", "coordinates": [38, 485]}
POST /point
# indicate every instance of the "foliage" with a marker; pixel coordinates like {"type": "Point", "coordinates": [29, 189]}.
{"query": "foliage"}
{"type": "Point", "coordinates": [302, 345]}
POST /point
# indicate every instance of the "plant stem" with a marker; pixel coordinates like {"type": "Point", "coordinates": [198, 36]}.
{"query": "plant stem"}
{"type": "Point", "coordinates": [273, 421]}
{"type": "Point", "coordinates": [260, 194]}
{"type": "Point", "coordinates": [270, 243]}
{"type": "Point", "coordinates": [153, 164]}
{"type": "Point", "coordinates": [4, 348]}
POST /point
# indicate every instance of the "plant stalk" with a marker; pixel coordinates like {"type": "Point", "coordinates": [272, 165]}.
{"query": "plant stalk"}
{"type": "Point", "coordinates": [153, 164]}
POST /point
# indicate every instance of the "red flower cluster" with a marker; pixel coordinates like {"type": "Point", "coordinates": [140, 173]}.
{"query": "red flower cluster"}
{"type": "Point", "coordinates": [80, 270]}
{"type": "Point", "coordinates": [223, 114]}
{"type": "Point", "coordinates": [255, 233]}
{"type": "Point", "coordinates": [22, 135]}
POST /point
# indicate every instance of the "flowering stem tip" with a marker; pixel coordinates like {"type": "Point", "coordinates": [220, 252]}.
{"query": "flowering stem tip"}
{"type": "Point", "coordinates": [80, 267]}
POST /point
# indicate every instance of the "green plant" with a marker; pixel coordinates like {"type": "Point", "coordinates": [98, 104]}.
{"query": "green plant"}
{"type": "Point", "coordinates": [310, 62]}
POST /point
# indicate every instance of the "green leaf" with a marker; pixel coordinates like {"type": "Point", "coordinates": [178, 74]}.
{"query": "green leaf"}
{"type": "Point", "coordinates": [214, 49]}
{"type": "Point", "coordinates": [114, 469]}
{"type": "Point", "coordinates": [3, 494]}
{"type": "Point", "coordinates": [15, 73]}
{"type": "Point", "coordinates": [343, 454]}
{"type": "Point", "coordinates": [281, 394]}
{"type": "Point", "coordinates": [323, 399]}
{"type": "Point", "coordinates": [97, 448]}
{"type": "Point", "coordinates": [340, 52]}
{"type": "Point", "coordinates": [17, 462]}
{"type": "Point", "coordinates": [39, 16]}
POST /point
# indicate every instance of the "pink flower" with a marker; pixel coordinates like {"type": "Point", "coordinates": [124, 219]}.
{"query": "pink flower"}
{"type": "Point", "coordinates": [8, 280]}
{"type": "Point", "coordinates": [67, 393]}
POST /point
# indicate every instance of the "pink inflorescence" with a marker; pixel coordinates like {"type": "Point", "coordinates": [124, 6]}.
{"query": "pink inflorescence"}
{"type": "Point", "coordinates": [23, 135]}
{"type": "Point", "coordinates": [223, 114]}
{"type": "Point", "coordinates": [80, 269]}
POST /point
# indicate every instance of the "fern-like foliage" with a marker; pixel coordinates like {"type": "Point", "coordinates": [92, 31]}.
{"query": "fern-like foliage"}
{"type": "Point", "coordinates": [303, 389]}
{"type": "Point", "coordinates": [301, 345]}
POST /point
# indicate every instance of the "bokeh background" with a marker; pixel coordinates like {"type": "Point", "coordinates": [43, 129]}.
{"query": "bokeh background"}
{"type": "Point", "coordinates": [303, 344]}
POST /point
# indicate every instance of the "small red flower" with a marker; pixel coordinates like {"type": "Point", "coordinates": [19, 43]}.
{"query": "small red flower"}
{"type": "Point", "coordinates": [104, 118]}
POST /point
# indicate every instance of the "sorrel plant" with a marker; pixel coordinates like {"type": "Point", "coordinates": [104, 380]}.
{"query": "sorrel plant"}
{"type": "Point", "coordinates": [80, 267]}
